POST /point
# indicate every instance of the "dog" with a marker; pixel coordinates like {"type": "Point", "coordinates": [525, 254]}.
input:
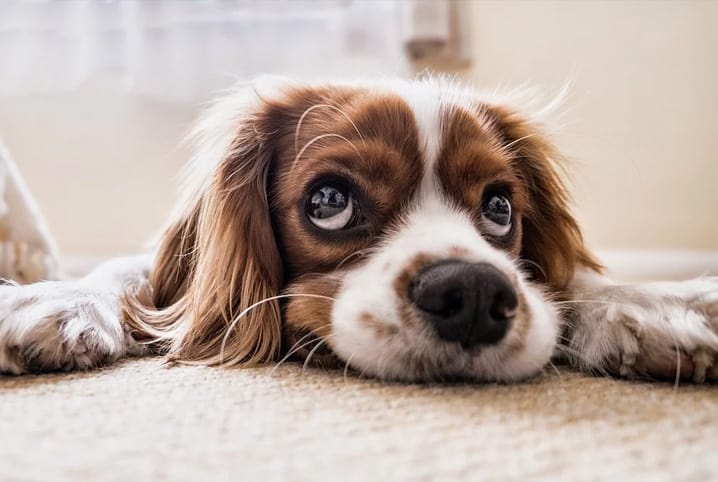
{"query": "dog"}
{"type": "Point", "coordinates": [411, 230]}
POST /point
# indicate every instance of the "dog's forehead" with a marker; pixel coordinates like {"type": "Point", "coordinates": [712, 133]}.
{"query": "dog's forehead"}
{"type": "Point", "coordinates": [457, 139]}
{"type": "Point", "coordinates": [395, 138]}
{"type": "Point", "coordinates": [416, 116]}
{"type": "Point", "coordinates": [426, 103]}
{"type": "Point", "coordinates": [432, 103]}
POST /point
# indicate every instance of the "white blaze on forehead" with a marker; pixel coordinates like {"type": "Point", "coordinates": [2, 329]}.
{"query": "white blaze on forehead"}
{"type": "Point", "coordinates": [425, 101]}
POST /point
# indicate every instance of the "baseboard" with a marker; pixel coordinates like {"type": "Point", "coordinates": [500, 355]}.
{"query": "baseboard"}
{"type": "Point", "coordinates": [622, 264]}
{"type": "Point", "coordinates": [660, 264]}
{"type": "Point", "coordinates": [75, 265]}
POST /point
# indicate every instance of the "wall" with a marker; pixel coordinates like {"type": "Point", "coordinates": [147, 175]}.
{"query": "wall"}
{"type": "Point", "coordinates": [101, 163]}
{"type": "Point", "coordinates": [640, 127]}
{"type": "Point", "coordinates": [641, 124]}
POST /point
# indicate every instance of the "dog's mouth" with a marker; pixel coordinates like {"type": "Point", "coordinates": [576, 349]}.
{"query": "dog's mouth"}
{"type": "Point", "coordinates": [416, 354]}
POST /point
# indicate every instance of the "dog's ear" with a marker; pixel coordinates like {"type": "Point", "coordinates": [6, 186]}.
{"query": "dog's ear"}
{"type": "Point", "coordinates": [218, 264]}
{"type": "Point", "coordinates": [551, 237]}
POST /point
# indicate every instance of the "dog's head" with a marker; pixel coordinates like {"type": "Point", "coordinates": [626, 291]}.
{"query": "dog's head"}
{"type": "Point", "coordinates": [410, 229]}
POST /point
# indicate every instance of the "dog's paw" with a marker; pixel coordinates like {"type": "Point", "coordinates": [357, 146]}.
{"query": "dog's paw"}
{"type": "Point", "coordinates": [54, 326]}
{"type": "Point", "coordinates": [657, 330]}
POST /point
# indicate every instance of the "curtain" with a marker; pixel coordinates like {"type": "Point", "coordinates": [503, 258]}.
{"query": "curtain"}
{"type": "Point", "coordinates": [182, 50]}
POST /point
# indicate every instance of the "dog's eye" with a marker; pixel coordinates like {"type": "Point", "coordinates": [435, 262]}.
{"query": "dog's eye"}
{"type": "Point", "coordinates": [331, 207]}
{"type": "Point", "coordinates": [496, 214]}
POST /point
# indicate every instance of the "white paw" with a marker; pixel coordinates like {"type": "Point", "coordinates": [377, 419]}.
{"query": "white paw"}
{"type": "Point", "coordinates": [59, 326]}
{"type": "Point", "coordinates": [659, 330]}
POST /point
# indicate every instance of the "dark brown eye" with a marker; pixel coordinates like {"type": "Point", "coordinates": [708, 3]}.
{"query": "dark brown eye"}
{"type": "Point", "coordinates": [331, 207]}
{"type": "Point", "coordinates": [496, 215]}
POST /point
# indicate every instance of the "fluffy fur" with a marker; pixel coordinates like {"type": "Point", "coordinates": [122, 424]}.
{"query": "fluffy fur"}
{"type": "Point", "coordinates": [243, 276]}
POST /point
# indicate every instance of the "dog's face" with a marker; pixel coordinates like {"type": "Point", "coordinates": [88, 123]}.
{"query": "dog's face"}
{"type": "Point", "coordinates": [410, 230]}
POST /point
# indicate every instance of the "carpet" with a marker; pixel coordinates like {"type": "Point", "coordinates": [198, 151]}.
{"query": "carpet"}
{"type": "Point", "coordinates": [140, 420]}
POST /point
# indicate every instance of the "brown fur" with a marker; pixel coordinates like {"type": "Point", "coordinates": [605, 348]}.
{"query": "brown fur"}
{"type": "Point", "coordinates": [306, 319]}
{"type": "Point", "coordinates": [471, 161]}
{"type": "Point", "coordinates": [378, 155]}
{"type": "Point", "coordinates": [551, 237]}
{"type": "Point", "coordinates": [245, 238]}
{"type": "Point", "coordinates": [474, 157]}
{"type": "Point", "coordinates": [216, 262]}
{"type": "Point", "coordinates": [401, 283]}
{"type": "Point", "coordinates": [222, 257]}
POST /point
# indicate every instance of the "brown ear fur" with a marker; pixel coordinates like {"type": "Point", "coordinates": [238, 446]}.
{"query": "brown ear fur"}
{"type": "Point", "coordinates": [214, 263]}
{"type": "Point", "coordinates": [551, 236]}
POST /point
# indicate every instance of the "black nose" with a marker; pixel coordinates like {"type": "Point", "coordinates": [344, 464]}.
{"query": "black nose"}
{"type": "Point", "coordinates": [469, 303]}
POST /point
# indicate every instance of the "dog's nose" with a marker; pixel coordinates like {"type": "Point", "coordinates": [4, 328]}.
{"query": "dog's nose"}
{"type": "Point", "coordinates": [470, 303]}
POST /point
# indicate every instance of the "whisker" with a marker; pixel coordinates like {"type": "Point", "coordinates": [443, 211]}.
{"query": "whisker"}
{"type": "Point", "coordinates": [311, 353]}
{"type": "Point", "coordinates": [601, 302]}
{"type": "Point", "coordinates": [549, 132]}
{"type": "Point", "coordinates": [326, 106]}
{"type": "Point", "coordinates": [506, 147]}
{"type": "Point", "coordinates": [533, 263]}
{"type": "Point", "coordinates": [346, 367]}
{"type": "Point", "coordinates": [555, 368]}
{"type": "Point", "coordinates": [295, 348]}
{"type": "Point", "coordinates": [259, 303]}
{"type": "Point", "coordinates": [320, 137]}
{"type": "Point", "coordinates": [564, 338]}
{"type": "Point", "coordinates": [359, 252]}
{"type": "Point", "coordinates": [585, 361]}
{"type": "Point", "coordinates": [677, 381]}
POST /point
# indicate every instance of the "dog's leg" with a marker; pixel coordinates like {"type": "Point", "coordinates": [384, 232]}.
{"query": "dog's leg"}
{"type": "Point", "coordinates": [65, 325]}
{"type": "Point", "coordinates": [664, 330]}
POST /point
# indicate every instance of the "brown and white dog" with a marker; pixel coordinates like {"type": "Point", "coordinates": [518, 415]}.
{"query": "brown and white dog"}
{"type": "Point", "coordinates": [410, 230]}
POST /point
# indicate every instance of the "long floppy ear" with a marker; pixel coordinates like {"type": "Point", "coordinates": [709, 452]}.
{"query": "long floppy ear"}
{"type": "Point", "coordinates": [551, 237]}
{"type": "Point", "coordinates": [218, 260]}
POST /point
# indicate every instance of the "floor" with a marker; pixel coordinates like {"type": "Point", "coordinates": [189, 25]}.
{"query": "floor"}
{"type": "Point", "coordinates": [143, 421]}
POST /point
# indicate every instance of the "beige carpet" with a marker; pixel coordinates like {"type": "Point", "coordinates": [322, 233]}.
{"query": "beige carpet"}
{"type": "Point", "coordinates": [141, 421]}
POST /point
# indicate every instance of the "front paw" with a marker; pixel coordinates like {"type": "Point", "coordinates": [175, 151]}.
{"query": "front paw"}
{"type": "Point", "coordinates": [660, 330]}
{"type": "Point", "coordinates": [59, 326]}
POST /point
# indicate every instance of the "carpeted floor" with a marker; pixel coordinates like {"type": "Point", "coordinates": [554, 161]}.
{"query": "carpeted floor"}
{"type": "Point", "coordinates": [142, 421]}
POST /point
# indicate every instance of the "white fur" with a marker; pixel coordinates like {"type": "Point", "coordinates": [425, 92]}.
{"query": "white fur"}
{"type": "Point", "coordinates": [425, 101]}
{"type": "Point", "coordinates": [75, 324]}
{"type": "Point", "coordinates": [432, 228]}
{"type": "Point", "coordinates": [636, 324]}
{"type": "Point", "coordinates": [68, 324]}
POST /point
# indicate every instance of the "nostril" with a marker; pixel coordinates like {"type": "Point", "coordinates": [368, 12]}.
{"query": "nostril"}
{"type": "Point", "coordinates": [442, 301]}
{"type": "Point", "coordinates": [453, 302]}
{"type": "Point", "coordinates": [504, 306]}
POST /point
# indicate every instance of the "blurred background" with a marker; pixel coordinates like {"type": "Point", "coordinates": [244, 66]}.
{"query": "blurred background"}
{"type": "Point", "coordinates": [96, 95]}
